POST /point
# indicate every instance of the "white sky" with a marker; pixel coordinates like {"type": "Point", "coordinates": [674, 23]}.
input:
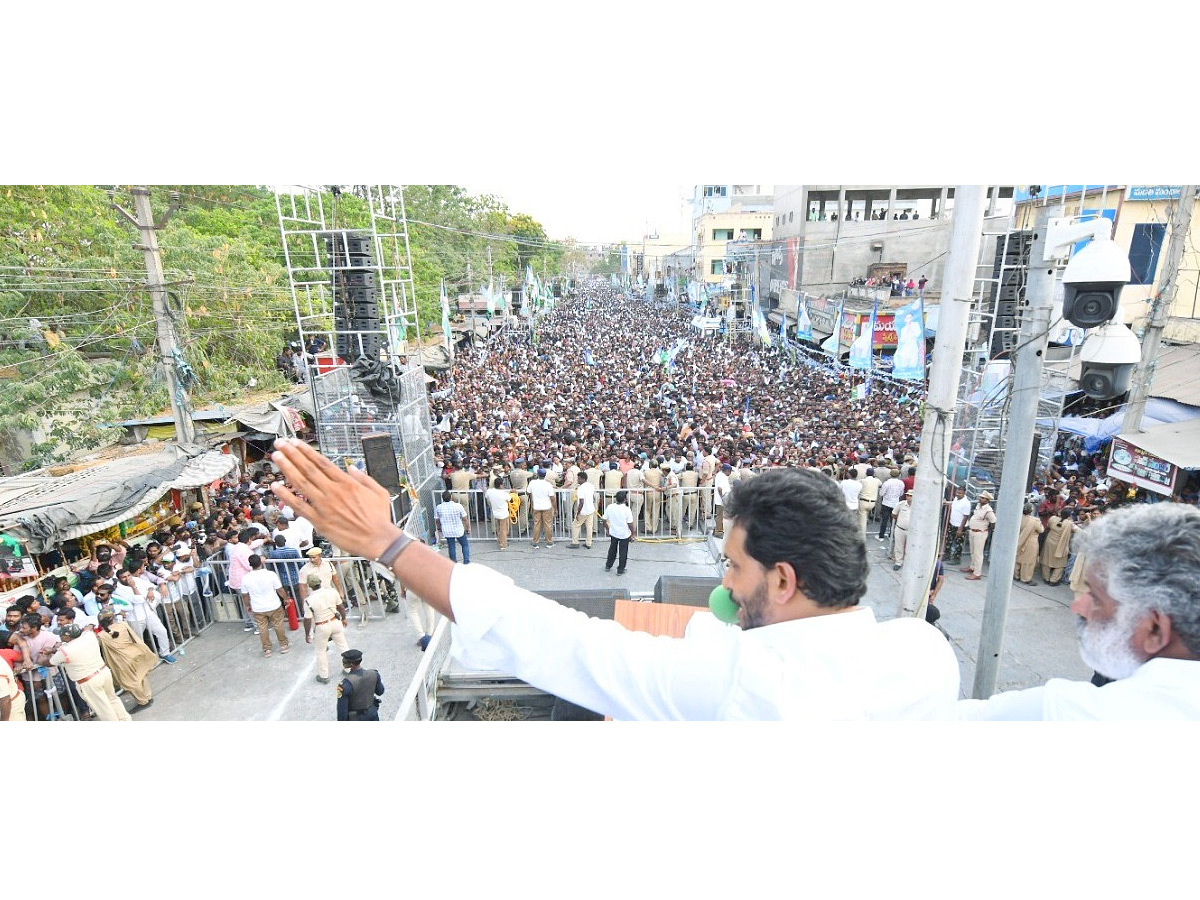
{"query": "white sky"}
{"type": "Point", "coordinates": [595, 211]}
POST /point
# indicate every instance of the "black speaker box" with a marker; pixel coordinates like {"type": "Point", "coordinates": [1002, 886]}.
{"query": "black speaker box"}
{"type": "Point", "coordinates": [684, 590]}
{"type": "Point", "coordinates": [381, 461]}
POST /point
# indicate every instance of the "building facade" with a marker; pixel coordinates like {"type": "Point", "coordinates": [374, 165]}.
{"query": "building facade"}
{"type": "Point", "coordinates": [1141, 216]}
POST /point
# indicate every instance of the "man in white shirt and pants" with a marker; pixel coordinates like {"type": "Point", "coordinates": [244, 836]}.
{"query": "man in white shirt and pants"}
{"type": "Point", "coordinates": [585, 508]}
{"type": "Point", "coordinates": [263, 593]}
{"type": "Point", "coordinates": [797, 570]}
{"type": "Point", "coordinates": [1139, 625]}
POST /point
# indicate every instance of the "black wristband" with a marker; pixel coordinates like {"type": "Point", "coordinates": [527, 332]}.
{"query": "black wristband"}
{"type": "Point", "coordinates": [388, 556]}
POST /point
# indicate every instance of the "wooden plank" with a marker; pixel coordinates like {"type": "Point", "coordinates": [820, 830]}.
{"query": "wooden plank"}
{"type": "Point", "coordinates": [654, 618]}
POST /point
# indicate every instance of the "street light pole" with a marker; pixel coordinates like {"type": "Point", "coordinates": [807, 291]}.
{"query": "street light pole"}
{"type": "Point", "coordinates": [1018, 449]}
{"type": "Point", "coordinates": [1160, 309]}
{"type": "Point", "coordinates": [924, 525]}
{"type": "Point", "coordinates": [185, 429]}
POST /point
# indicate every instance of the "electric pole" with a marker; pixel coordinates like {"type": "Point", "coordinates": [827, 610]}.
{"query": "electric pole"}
{"type": "Point", "coordinates": [924, 526]}
{"type": "Point", "coordinates": [1160, 310]}
{"type": "Point", "coordinates": [1018, 448]}
{"type": "Point", "coordinates": [181, 410]}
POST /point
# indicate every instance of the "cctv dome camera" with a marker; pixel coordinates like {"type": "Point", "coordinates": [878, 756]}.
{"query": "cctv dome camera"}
{"type": "Point", "coordinates": [1108, 358]}
{"type": "Point", "coordinates": [1092, 283]}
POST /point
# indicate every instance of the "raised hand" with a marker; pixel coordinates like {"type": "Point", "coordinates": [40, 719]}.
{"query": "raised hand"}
{"type": "Point", "coordinates": [349, 508]}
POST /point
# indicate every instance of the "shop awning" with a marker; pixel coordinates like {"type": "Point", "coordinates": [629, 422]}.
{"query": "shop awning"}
{"type": "Point", "coordinates": [1176, 442]}
{"type": "Point", "coordinates": [43, 509]}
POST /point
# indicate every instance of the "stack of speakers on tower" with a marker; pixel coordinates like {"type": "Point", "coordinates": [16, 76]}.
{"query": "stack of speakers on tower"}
{"type": "Point", "coordinates": [1008, 293]}
{"type": "Point", "coordinates": [355, 299]}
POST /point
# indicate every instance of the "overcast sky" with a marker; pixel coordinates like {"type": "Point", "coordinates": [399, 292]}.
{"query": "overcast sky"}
{"type": "Point", "coordinates": [593, 211]}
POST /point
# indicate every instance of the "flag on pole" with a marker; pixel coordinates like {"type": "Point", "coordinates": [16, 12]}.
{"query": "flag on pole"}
{"type": "Point", "coordinates": [833, 345]}
{"type": "Point", "coordinates": [862, 351]}
{"type": "Point", "coordinates": [803, 322]}
{"type": "Point", "coordinates": [446, 316]}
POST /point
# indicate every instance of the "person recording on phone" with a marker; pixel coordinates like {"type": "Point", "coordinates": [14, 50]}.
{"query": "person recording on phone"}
{"type": "Point", "coordinates": [797, 568]}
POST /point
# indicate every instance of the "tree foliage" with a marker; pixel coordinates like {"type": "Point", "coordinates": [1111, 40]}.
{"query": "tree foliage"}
{"type": "Point", "coordinates": [71, 264]}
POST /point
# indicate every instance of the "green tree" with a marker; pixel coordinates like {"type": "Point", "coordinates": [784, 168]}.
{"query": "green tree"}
{"type": "Point", "coordinates": [70, 263]}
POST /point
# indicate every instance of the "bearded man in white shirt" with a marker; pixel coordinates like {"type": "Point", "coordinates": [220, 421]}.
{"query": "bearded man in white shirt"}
{"type": "Point", "coordinates": [797, 570]}
{"type": "Point", "coordinates": [1139, 624]}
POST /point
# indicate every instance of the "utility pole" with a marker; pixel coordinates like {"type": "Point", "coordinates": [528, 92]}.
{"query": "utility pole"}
{"type": "Point", "coordinates": [924, 526]}
{"type": "Point", "coordinates": [1160, 309]}
{"type": "Point", "coordinates": [1018, 448]}
{"type": "Point", "coordinates": [144, 222]}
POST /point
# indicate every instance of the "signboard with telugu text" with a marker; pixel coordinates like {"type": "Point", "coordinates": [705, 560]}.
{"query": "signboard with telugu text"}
{"type": "Point", "coordinates": [885, 328]}
{"type": "Point", "coordinates": [1154, 192]}
{"type": "Point", "coordinates": [1135, 466]}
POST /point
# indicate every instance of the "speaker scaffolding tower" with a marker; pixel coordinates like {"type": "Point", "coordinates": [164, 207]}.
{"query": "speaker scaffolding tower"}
{"type": "Point", "coordinates": [350, 272]}
{"type": "Point", "coordinates": [985, 388]}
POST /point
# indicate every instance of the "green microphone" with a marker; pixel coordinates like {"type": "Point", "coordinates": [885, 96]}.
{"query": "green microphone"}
{"type": "Point", "coordinates": [720, 601]}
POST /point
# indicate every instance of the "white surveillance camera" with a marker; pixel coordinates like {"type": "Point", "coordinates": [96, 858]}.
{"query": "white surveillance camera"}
{"type": "Point", "coordinates": [1092, 283]}
{"type": "Point", "coordinates": [1108, 358]}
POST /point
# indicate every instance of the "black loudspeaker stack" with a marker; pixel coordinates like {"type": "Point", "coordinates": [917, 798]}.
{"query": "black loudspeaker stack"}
{"type": "Point", "coordinates": [380, 459]}
{"type": "Point", "coordinates": [1008, 293]}
{"type": "Point", "coordinates": [355, 300]}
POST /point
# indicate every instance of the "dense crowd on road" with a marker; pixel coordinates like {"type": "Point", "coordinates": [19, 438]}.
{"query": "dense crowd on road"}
{"type": "Point", "coordinates": [591, 388]}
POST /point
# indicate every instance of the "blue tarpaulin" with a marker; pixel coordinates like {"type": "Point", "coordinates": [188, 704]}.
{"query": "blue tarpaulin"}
{"type": "Point", "coordinates": [1098, 432]}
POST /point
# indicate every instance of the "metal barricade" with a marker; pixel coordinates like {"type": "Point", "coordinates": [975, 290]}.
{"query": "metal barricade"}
{"type": "Point", "coordinates": [675, 513]}
{"type": "Point", "coordinates": [45, 690]}
{"type": "Point", "coordinates": [369, 591]}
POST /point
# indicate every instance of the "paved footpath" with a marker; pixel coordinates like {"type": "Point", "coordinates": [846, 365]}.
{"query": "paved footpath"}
{"type": "Point", "coordinates": [223, 676]}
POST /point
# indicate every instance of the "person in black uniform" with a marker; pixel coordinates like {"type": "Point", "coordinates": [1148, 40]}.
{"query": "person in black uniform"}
{"type": "Point", "coordinates": [358, 690]}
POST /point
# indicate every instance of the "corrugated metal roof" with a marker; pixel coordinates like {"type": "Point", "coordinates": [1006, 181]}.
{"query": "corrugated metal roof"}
{"type": "Point", "coordinates": [1175, 377]}
{"type": "Point", "coordinates": [1176, 442]}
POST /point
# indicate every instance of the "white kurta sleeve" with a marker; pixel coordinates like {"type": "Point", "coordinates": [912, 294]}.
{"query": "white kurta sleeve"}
{"type": "Point", "coordinates": [1009, 706]}
{"type": "Point", "coordinates": [594, 663]}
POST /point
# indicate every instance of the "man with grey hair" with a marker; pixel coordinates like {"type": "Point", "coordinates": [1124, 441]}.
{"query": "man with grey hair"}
{"type": "Point", "coordinates": [1139, 625]}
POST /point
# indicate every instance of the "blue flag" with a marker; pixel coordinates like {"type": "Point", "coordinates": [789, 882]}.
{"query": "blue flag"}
{"type": "Point", "coordinates": [861, 351]}
{"type": "Point", "coordinates": [803, 322]}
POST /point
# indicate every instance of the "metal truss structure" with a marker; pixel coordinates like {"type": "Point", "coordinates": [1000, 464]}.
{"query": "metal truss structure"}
{"type": "Point", "coordinates": [985, 387]}
{"type": "Point", "coordinates": [350, 272]}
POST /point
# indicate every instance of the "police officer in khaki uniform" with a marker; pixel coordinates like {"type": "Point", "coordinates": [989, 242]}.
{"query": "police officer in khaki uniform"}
{"type": "Point", "coordinates": [519, 479]}
{"type": "Point", "coordinates": [653, 480]}
{"type": "Point", "coordinates": [460, 484]}
{"type": "Point", "coordinates": [613, 480]}
{"type": "Point", "coordinates": [708, 471]}
{"type": "Point", "coordinates": [868, 499]}
{"type": "Point", "coordinates": [689, 481]}
{"type": "Point", "coordinates": [12, 699]}
{"type": "Point", "coordinates": [979, 523]}
{"type": "Point", "coordinates": [358, 690]}
{"type": "Point", "coordinates": [672, 497]}
{"type": "Point", "coordinates": [901, 516]}
{"type": "Point", "coordinates": [324, 606]}
{"type": "Point", "coordinates": [79, 655]}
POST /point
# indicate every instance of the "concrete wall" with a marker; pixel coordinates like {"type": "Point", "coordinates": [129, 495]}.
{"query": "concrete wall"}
{"type": "Point", "coordinates": [834, 253]}
{"type": "Point", "coordinates": [710, 249]}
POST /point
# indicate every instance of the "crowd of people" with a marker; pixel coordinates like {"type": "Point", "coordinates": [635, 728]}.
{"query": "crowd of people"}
{"type": "Point", "coordinates": [142, 602]}
{"type": "Point", "coordinates": [612, 383]}
{"type": "Point", "coordinates": [606, 400]}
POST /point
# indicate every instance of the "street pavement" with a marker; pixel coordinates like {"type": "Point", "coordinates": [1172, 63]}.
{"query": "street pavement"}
{"type": "Point", "coordinates": [223, 676]}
